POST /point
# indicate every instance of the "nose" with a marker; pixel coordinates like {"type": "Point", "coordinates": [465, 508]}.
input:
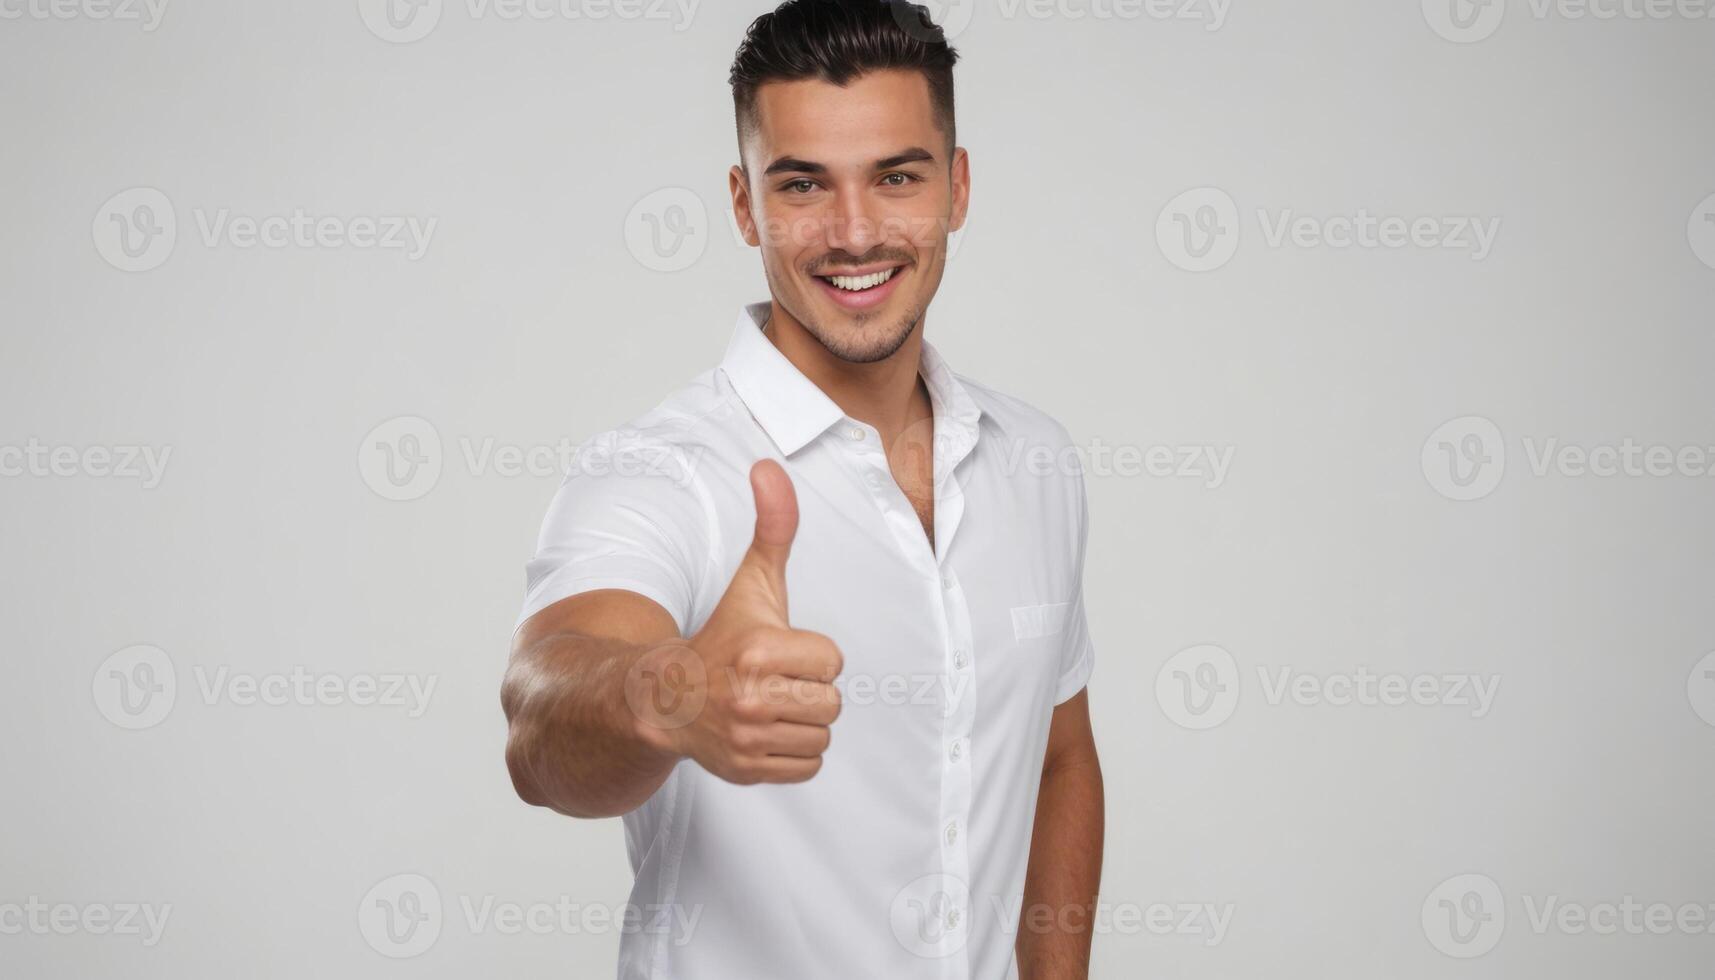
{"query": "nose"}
{"type": "Point", "coordinates": [850, 226]}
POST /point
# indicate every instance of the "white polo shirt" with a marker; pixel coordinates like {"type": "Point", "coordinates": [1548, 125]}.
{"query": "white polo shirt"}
{"type": "Point", "coordinates": [904, 857]}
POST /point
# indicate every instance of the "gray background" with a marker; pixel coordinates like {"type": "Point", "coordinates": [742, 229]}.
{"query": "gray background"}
{"type": "Point", "coordinates": [1333, 544]}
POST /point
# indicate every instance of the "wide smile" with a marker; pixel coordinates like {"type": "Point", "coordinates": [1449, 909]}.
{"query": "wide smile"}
{"type": "Point", "coordinates": [863, 290]}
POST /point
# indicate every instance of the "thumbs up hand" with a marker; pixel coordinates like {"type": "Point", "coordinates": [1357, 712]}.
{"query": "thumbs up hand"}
{"type": "Point", "coordinates": [770, 697]}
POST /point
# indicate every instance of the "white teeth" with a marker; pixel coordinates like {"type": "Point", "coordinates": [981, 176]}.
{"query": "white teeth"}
{"type": "Point", "coordinates": [862, 282]}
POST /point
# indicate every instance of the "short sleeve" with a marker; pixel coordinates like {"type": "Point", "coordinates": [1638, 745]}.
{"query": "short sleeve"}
{"type": "Point", "coordinates": [629, 515]}
{"type": "Point", "coordinates": [1077, 657]}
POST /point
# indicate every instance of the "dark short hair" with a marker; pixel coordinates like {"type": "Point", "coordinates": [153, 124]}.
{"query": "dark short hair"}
{"type": "Point", "coordinates": [837, 41]}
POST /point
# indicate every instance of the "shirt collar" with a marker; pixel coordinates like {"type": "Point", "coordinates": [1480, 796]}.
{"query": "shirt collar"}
{"type": "Point", "coordinates": [793, 411]}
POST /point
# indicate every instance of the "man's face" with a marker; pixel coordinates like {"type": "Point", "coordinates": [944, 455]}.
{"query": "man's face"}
{"type": "Point", "coordinates": [850, 193]}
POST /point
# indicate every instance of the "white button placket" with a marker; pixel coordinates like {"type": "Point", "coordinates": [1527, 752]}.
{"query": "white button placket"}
{"type": "Point", "coordinates": [957, 783]}
{"type": "Point", "coordinates": [958, 665]}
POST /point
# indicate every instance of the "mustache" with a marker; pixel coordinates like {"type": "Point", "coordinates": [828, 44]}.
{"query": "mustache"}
{"type": "Point", "coordinates": [833, 262]}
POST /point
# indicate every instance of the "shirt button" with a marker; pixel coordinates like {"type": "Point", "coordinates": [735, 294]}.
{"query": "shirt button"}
{"type": "Point", "coordinates": [952, 832]}
{"type": "Point", "coordinates": [960, 659]}
{"type": "Point", "coordinates": [946, 580]}
{"type": "Point", "coordinates": [956, 751]}
{"type": "Point", "coordinates": [953, 918]}
{"type": "Point", "coordinates": [855, 433]}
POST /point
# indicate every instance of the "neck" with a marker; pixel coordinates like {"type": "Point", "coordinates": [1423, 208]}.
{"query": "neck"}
{"type": "Point", "coordinates": [887, 394]}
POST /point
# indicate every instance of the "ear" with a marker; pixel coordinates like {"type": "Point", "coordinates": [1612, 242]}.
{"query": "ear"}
{"type": "Point", "coordinates": [739, 185]}
{"type": "Point", "coordinates": [961, 188]}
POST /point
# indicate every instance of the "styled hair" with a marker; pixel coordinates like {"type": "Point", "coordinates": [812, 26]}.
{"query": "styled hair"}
{"type": "Point", "coordinates": [837, 41]}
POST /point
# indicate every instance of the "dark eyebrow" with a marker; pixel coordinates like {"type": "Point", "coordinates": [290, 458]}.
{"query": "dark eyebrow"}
{"type": "Point", "coordinates": [793, 165]}
{"type": "Point", "coordinates": [916, 154]}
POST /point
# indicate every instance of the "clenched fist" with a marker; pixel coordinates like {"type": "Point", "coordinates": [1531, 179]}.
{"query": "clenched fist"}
{"type": "Point", "coordinates": [754, 697]}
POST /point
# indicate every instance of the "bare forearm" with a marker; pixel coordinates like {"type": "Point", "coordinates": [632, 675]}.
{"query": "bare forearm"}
{"type": "Point", "coordinates": [574, 744]}
{"type": "Point", "coordinates": [1060, 888]}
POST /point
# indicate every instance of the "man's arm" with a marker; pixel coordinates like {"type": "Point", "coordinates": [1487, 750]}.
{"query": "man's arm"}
{"type": "Point", "coordinates": [574, 744]}
{"type": "Point", "coordinates": [603, 698]}
{"type": "Point", "coordinates": [1060, 888]}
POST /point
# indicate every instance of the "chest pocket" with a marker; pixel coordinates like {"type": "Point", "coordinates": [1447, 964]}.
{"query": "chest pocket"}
{"type": "Point", "coordinates": [1031, 622]}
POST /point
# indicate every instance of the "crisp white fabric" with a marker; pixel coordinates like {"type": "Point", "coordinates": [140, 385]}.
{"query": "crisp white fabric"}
{"type": "Point", "coordinates": [904, 858]}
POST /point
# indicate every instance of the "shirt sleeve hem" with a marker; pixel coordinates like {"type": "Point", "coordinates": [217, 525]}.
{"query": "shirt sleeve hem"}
{"type": "Point", "coordinates": [1077, 678]}
{"type": "Point", "coordinates": [555, 589]}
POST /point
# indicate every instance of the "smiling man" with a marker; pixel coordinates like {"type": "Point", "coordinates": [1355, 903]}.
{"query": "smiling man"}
{"type": "Point", "coordinates": [808, 625]}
